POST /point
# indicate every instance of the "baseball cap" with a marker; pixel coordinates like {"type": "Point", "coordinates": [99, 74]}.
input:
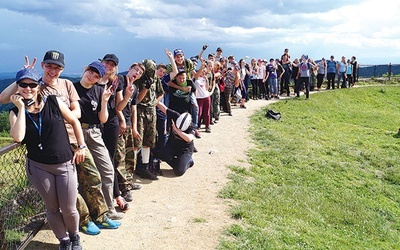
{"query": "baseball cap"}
{"type": "Point", "coordinates": [55, 57]}
{"type": "Point", "coordinates": [28, 73]}
{"type": "Point", "coordinates": [194, 59]}
{"type": "Point", "coordinates": [178, 52]}
{"type": "Point", "coordinates": [99, 67]}
{"type": "Point", "coordinates": [219, 49]}
{"type": "Point", "coordinates": [111, 57]}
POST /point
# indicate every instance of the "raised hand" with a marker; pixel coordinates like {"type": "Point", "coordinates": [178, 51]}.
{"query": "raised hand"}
{"type": "Point", "coordinates": [108, 90]}
{"type": "Point", "coordinates": [28, 65]}
{"type": "Point", "coordinates": [169, 53]}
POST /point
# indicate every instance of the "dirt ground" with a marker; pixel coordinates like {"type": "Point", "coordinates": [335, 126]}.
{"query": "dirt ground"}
{"type": "Point", "coordinates": [179, 212]}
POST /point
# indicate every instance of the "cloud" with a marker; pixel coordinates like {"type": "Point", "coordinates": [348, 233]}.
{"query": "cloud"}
{"type": "Point", "coordinates": [85, 29]}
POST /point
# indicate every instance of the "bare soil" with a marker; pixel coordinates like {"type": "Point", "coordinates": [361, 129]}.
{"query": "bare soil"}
{"type": "Point", "coordinates": [179, 212]}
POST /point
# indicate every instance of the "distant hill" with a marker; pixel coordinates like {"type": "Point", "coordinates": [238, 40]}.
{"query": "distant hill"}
{"type": "Point", "coordinates": [4, 83]}
{"type": "Point", "coordinates": [378, 70]}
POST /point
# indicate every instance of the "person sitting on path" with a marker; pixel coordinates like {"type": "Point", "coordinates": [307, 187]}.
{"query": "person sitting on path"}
{"type": "Point", "coordinates": [178, 150]}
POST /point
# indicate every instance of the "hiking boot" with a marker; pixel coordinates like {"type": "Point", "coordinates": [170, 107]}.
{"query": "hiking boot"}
{"type": "Point", "coordinates": [135, 186]}
{"type": "Point", "coordinates": [65, 245]}
{"type": "Point", "coordinates": [114, 215]}
{"type": "Point", "coordinates": [90, 229]}
{"type": "Point", "coordinates": [76, 242]}
{"type": "Point", "coordinates": [146, 174]}
{"type": "Point", "coordinates": [123, 205]}
{"type": "Point", "coordinates": [109, 224]}
{"type": "Point", "coordinates": [127, 195]}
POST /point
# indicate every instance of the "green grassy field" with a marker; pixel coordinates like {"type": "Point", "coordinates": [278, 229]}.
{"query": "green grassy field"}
{"type": "Point", "coordinates": [325, 176]}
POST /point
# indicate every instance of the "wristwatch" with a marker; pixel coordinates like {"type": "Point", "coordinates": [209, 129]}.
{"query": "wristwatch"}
{"type": "Point", "coordinates": [81, 146]}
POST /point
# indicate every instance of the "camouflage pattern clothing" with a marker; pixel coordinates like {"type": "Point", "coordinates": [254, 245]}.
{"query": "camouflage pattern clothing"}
{"type": "Point", "coordinates": [146, 109]}
{"type": "Point", "coordinates": [90, 188]}
{"type": "Point", "coordinates": [124, 160]}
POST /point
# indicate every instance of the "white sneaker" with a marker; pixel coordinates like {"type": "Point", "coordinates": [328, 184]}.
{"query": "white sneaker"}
{"type": "Point", "coordinates": [114, 215]}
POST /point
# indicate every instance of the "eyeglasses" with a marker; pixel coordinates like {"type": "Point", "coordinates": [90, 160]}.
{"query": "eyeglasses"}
{"type": "Point", "coordinates": [56, 68]}
{"type": "Point", "coordinates": [31, 85]}
{"type": "Point", "coordinates": [138, 70]}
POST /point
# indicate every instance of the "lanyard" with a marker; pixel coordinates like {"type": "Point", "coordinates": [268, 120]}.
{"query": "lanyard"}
{"type": "Point", "coordinates": [37, 126]}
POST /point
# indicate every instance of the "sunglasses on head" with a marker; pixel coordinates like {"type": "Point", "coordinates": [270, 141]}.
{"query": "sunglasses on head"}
{"type": "Point", "coordinates": [31, 85]}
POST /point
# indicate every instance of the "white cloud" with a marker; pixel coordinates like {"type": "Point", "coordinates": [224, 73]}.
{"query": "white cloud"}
{"type": "Point", "coordinates": [256, 28]}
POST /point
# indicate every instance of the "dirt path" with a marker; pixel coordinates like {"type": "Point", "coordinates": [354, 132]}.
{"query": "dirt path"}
{"type": "Point", "coordinates": [179, 212]}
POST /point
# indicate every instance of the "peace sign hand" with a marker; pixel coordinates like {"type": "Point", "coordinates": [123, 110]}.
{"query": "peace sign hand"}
{"type": "Point", "coordinates": [28, 65]}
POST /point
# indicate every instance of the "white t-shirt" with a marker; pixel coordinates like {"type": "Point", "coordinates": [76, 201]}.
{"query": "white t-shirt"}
{"type": "Point", "coordinates": [201, 91]}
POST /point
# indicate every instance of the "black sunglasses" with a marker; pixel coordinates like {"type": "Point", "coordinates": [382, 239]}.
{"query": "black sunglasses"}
{"type": "Point", "coordinates": [30, 85]}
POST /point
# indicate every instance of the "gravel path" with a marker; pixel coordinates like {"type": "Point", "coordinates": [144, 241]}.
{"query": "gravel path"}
{"type": "Point", "coordinates": [179, 212]}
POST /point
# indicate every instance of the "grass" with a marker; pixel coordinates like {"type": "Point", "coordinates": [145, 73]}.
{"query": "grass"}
{"type": "Point", "coordinates": [325, 176]}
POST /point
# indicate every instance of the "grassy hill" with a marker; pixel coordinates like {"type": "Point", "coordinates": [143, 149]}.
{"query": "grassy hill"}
{"type": "Point", "coordinates": [325, 176]}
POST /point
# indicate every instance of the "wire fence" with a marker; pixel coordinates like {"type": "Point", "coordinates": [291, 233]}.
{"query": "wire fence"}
{"type": "Point", "coordinates": [374, 71]}
{"type": "Point", "coordinates": [22, 212]}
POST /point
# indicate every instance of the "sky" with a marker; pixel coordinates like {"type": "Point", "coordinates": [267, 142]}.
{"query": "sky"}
{"type": "Point", "coordinates": [86, 30]}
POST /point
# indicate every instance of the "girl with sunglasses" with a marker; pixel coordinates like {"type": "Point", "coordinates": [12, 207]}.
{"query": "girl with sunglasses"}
{"type": "Point", "coordinates": [50, 161]}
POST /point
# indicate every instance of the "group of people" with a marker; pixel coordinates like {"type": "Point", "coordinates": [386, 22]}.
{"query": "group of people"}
{"type": "Point", "coordinates": [87, 139]}
{"type": "Point", "coordinates": [273, 79]}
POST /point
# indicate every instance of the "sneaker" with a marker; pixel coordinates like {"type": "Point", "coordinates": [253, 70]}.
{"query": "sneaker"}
{"type": "Point", "coordinates": [65, 245]}
{"type": "Point", "coordinates": [191, 163]}
{"type": "Point", "coordinates": [197, 134]}
{"type": "Point", "coordinates": [123, 205]}
{"type": "Point", "coordinates": [146, 174]}
{"type": "Point", "coordinates": [208, 130]}
{"type": "Point", "coordinates": [114, 215]}
{"type": "Point", "coordinates": [90, 229]}
{"type": "Point", "coordinates": [127, 195]}
{"type": "Point", "coordinates": [195, 150]}
{"type": "Point", "coordinates": [76, 242]}
{"type": "Point", "coordinates": [109, 224]}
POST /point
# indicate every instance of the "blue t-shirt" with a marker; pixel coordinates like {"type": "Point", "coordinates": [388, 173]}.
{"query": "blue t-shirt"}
{"type": "Point", "coordinates": [331, 66]}
{"type": "Point", "coordinates": [272, 71]}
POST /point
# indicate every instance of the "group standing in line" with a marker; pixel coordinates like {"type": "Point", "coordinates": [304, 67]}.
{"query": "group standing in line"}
{"type": "Point", "coordinates": [92, 136]}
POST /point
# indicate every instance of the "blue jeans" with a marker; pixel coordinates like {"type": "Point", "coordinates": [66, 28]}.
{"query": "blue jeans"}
{"type": "Point", "coordinates": [195, 110]}
{"type": "Point", "coordinates": [273, 84]}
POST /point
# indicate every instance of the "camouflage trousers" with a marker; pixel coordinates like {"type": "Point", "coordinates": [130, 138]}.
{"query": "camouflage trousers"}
{"type": "Point", "coordinates": [124, 160]}
{"type": "Point", "coordinates": [215, 103]}
{"type": "Point", "coordinates": [90, 203]}
{"type": "Point", "coordinates": [146, 125]}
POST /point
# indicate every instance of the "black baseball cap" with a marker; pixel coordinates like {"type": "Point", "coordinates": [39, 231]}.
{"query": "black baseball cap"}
{"type": "Point", "coordinates": [54, 57]}
{"type": "Point", "coordinates": [111, 57]}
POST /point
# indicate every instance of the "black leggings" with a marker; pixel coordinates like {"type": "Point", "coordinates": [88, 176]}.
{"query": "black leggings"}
{"type": "Point", "coordinates": [320, 80]}
{"type": "Point", "coordinates": [254, 88]}
{"type": "Point", "coordinates": [110, 138]}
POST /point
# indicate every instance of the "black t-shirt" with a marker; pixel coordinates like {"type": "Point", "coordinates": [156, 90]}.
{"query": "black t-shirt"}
{"type": "Point", "coordinates": [112, 112]}
{"type": "Point", "coordinates": [178, 142]}
{"type": "Point", "coordinates": [52, 145]}
{"type": "Point", "coordinates": [90, 102]}
{"type": "Point", "coordinates": [133, 100]}
{"type": "Point", "coordinates": [179, 100]}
